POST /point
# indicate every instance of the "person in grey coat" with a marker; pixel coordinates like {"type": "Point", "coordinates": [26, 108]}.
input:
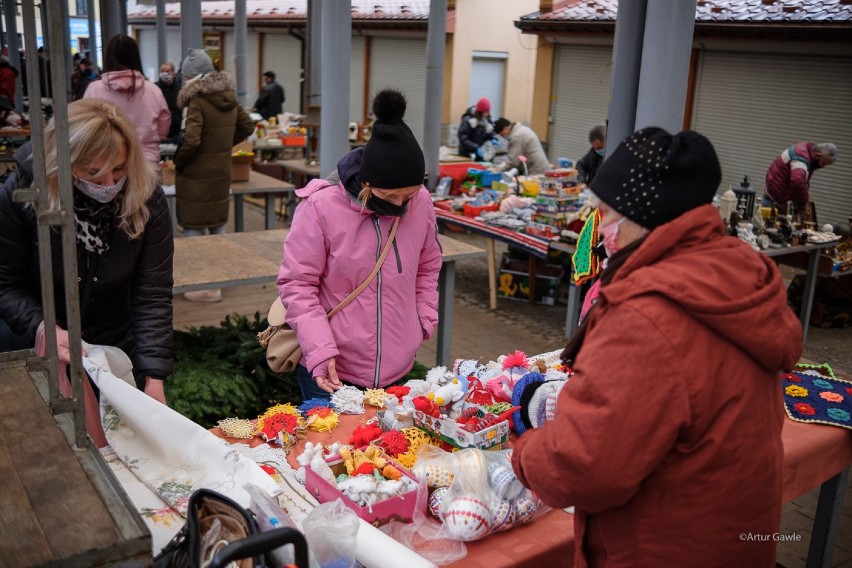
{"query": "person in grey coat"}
{"type": "Point", "coordinates": [522, 142]}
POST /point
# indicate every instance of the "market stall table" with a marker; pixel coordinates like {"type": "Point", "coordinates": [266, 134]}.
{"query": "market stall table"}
{"type": "Point", "coordinates": [238, 259]}
{"type": "Point", "coordinates": [258, 183]}
{"type": "Point", "coordinates": [537, 247]}
{"type": "Point", "coordinates": [300, 172]}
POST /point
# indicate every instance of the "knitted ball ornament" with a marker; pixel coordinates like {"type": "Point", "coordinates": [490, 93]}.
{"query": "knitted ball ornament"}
{"type": "Point", "coordinates": [392, 158]}
{"type": "Point", "coordinates": [654, 177]}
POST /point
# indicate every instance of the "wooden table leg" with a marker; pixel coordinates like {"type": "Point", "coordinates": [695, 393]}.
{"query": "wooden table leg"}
{"type": "Point", "coordinates": [446, 291]}
{"type": "Point", "coordinates": [492, 275]}
{"type": "Point", "coordinates": [531, 268]}
{"type": "Point", "coordinates": [239, 224]}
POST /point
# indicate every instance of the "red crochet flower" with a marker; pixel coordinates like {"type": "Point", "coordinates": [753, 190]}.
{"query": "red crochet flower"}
{"type": "Point", "coordinates": [398, 391]}
{"type": "Point", "coordinates": [395, 442]}
{"type": "Point", "coordinates": [849, 391]}
{"type": "Point", "coordinates": [269, 469]}
{"type": "Point", "coordinates": [321, 411]}
{"type": "Point", "coordinates": [364, 434]}
{"type": "Point", "coordinates": [792, 378]}
{"type": "Point", "coordinates": [804, 409]}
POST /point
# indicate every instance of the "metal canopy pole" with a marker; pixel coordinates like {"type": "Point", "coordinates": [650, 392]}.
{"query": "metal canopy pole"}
{"type": "Point", "coordinates": [626, 64]}
{"type": "Point", "coordinates": [435, 42]}
{"type": "Point", "coordinates": [190, 26]}
{"type": "Point", "coordinates": [240, 50]}
{"type": "Point", "coordinates": [314, 53]}
{"type": "Point", "coordinates": [110, 20]}
{"type": "Point", "coordinates": [162, 46]}
{"type": "Point", "coordinates": [334, 114]}
{"type": "Point", "coordinates": [669, 26]}
{"type": "Point", "coordinates": [93, 33]}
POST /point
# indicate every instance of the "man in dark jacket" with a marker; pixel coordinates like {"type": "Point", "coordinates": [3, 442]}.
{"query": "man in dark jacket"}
{"type": "Point", "coordinates": [588, 166]}
{"type": "Point", "coordinates": [271, 98]}
{"type": "Point", "coordinates": [85, 75]}
{"type": "Point", "coordinates": [170, 86]}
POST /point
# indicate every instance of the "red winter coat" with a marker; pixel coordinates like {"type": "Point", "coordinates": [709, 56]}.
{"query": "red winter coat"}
{"type": "Point", "coordinates": [788, 176]}
{"type": "Point", "coordinates": [8, 74]}
{"type": "Point", "coordinates": [668, 438]}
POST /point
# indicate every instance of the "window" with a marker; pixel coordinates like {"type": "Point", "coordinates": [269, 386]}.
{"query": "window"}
{"type": "Point", "coordinates": [82, 8]}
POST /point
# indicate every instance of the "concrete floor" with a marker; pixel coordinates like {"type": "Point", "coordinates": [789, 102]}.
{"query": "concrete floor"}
{"type": "Point", "coordinates": [480, 332]}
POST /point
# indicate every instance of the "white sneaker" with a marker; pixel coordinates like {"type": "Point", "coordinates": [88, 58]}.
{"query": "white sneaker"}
{"type": "Point", "coordinates": [214, 295]}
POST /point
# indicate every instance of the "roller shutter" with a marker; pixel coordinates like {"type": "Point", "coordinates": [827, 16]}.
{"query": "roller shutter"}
{"type": "Point", "coordinates": [252, 73]}
{"type": "Point", "coordinates": [356, 80]}
{"type": "Point", "coordinates": [401, 63]}
{"type": "Point", "coordinates": [752, 106]}
{"type": "Point", "coordinates": [282, 54]}
{"type": "Point", "coordinates": [487, 79]}
{"type": "Point", "coordinates": [581, 92]}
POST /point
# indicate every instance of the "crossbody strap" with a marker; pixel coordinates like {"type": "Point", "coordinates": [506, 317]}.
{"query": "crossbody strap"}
{"type": "Point", "coordinates": [372, 275]}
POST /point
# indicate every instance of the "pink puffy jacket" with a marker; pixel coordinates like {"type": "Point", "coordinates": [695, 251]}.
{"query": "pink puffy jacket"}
{"type": "Point", "coordinates": [332, 247]}
{"type": "Point", "coordinates": [146, 109]}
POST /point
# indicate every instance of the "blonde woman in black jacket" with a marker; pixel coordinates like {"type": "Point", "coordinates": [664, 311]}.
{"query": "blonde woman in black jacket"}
{"type": "Point", "coordinates": [124, 245]}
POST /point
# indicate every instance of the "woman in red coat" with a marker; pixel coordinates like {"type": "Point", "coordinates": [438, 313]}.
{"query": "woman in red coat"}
{"type": "Point", "coordinates": [8, 77]}
{"type": "Point", "coordinates": [667, 440]}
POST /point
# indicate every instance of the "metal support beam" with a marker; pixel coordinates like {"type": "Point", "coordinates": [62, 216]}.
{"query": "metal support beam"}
{"type": "Point", "coordinates": [65, 57]}
{"type": "Point", "coordinates": [313, 64]}
{"type": "Point", "coordinates": [240, 50]}
{"type": "Point", "coordinates": [190, 26]}
{"type": "Point", "coordinates": [626, 63]}
{"type": "Point", "coordinates": [334, 77]}
{"type": "Point", "coordinates": [162, 46]}
{"type": "Point", "coordinates": [11, 21]}
{"type": "Point", "coordinates": [435, 42]}
{"type": "Point", "coordinates": [110, 20]}
{"type": "Point", "coordinates": [94, 41]}
{"type": "Point", "coordinates": [669, 26]}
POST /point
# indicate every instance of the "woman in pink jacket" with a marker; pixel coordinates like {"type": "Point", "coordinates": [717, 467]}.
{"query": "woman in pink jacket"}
{"type": "Point", "coordinates": [338, 232]}
{"type": "Point", "coordinates": [124, 85]}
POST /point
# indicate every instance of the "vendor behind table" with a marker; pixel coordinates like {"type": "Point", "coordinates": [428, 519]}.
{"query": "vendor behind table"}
{"type": "Point", "coordinates": [588, 165]}
{"type": "Point", "coordinates": [522, 142]}
{"type": "Point", "coordinates": [677, 361]}
{"type": "Point", "coordinates": [788, 178]}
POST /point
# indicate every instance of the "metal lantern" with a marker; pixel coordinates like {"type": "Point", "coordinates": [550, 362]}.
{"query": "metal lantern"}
{"type": "Point", "coordinates": [745, 198]}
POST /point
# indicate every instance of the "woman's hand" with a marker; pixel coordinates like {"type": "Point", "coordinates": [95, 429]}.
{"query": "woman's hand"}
{"type": "Point", "coordinates": [330, 381]}
{"type": "Point", "coordinates": [154, 389]}
{"type": "Point", "coordinates": [63, 351]}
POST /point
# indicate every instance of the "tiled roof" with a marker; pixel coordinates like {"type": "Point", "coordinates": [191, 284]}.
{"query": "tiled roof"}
{"type": "Point", "coordinates": [407, 11]}
{"type": "Point", "coordinates": [710, 11]}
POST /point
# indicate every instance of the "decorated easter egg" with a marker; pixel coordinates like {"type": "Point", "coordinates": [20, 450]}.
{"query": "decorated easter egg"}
{"type": "Point", "coordinates": [435, 501]}
{"type": "Point", "coordinates": [467, 518]}
{"type": "Point", "coordinates": [504, 516]}
{"type": "Point", "coordinates": [438, 476]}
{"type": "Point", "coordinates": [525, 509]}
{"type": "Point", "coordinates": [504, 483]}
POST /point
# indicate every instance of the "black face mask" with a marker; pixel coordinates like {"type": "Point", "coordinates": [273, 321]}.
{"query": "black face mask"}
{"type": "Point", "coordinates": [381, 207]}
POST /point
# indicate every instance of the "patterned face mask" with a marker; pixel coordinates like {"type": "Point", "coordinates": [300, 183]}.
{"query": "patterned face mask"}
{"type": "Point", "coordinates": [610, 235]}
{"type": "Point", "coordinates": [100, 193]}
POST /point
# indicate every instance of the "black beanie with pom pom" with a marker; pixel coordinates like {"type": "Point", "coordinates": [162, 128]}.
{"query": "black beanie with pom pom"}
{"type": "Point", "coordinates": [392, 158]}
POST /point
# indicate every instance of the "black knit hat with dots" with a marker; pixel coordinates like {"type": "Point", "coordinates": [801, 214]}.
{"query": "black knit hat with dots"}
{"type": "Point", "coordinates": [654, 177]}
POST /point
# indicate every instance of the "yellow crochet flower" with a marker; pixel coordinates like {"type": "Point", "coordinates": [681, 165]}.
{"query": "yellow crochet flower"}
{"type": "Point", "coordinates": [796, 390]}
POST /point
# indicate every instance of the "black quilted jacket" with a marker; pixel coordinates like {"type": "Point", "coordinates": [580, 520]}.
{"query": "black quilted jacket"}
{"type": "Point", "coordinates": [125, 295]}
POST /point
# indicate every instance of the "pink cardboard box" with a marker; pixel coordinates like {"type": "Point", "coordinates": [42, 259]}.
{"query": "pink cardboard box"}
{"type": "Point", "coordinates": [399, 508]}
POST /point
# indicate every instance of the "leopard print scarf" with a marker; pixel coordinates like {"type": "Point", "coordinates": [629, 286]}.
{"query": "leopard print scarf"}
{"type": "Point", "coordinates": [94, 222]}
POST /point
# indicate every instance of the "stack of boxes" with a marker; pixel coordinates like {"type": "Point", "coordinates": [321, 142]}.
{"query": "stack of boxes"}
{"type": "Point", "coordinates": [557, 199]}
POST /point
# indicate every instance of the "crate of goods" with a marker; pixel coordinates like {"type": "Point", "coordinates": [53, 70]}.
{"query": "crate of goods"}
{"type": "Point", "coordinates": [555, 220]}
{"type": "Point", "coordinates": [563, 174]}
{"type": "Point", "coordinates": [475, 211]}
{"type": "Point", "coordinates": [493, 437]}
{"type": "Point", "coordinates": [242, 156]}
{"type": "Point", "coordinates": [483, 178]}
{"type": "Point", "coordinates": [401, 507]}
{"type": "Point", "coordinates": [291, 140]}
{"type": "Point", "coordinates": [514, 282]}
{"type": "Point", "coordinates": [458, 173]}
{"type": "Point", "coordinates": [543, 230]}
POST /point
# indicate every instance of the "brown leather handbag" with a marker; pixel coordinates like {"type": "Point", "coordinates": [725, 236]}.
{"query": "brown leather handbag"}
{"type": "Point", "coordinates": [282, 346]}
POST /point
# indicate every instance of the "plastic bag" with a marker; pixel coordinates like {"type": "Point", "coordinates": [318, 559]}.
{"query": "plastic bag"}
{"type": "Point", "coordinates": [332, 531]}
{"type": "Point", "coordinates": [270, 516]}
{"type": "Point", "coordinates": [474, 492]}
